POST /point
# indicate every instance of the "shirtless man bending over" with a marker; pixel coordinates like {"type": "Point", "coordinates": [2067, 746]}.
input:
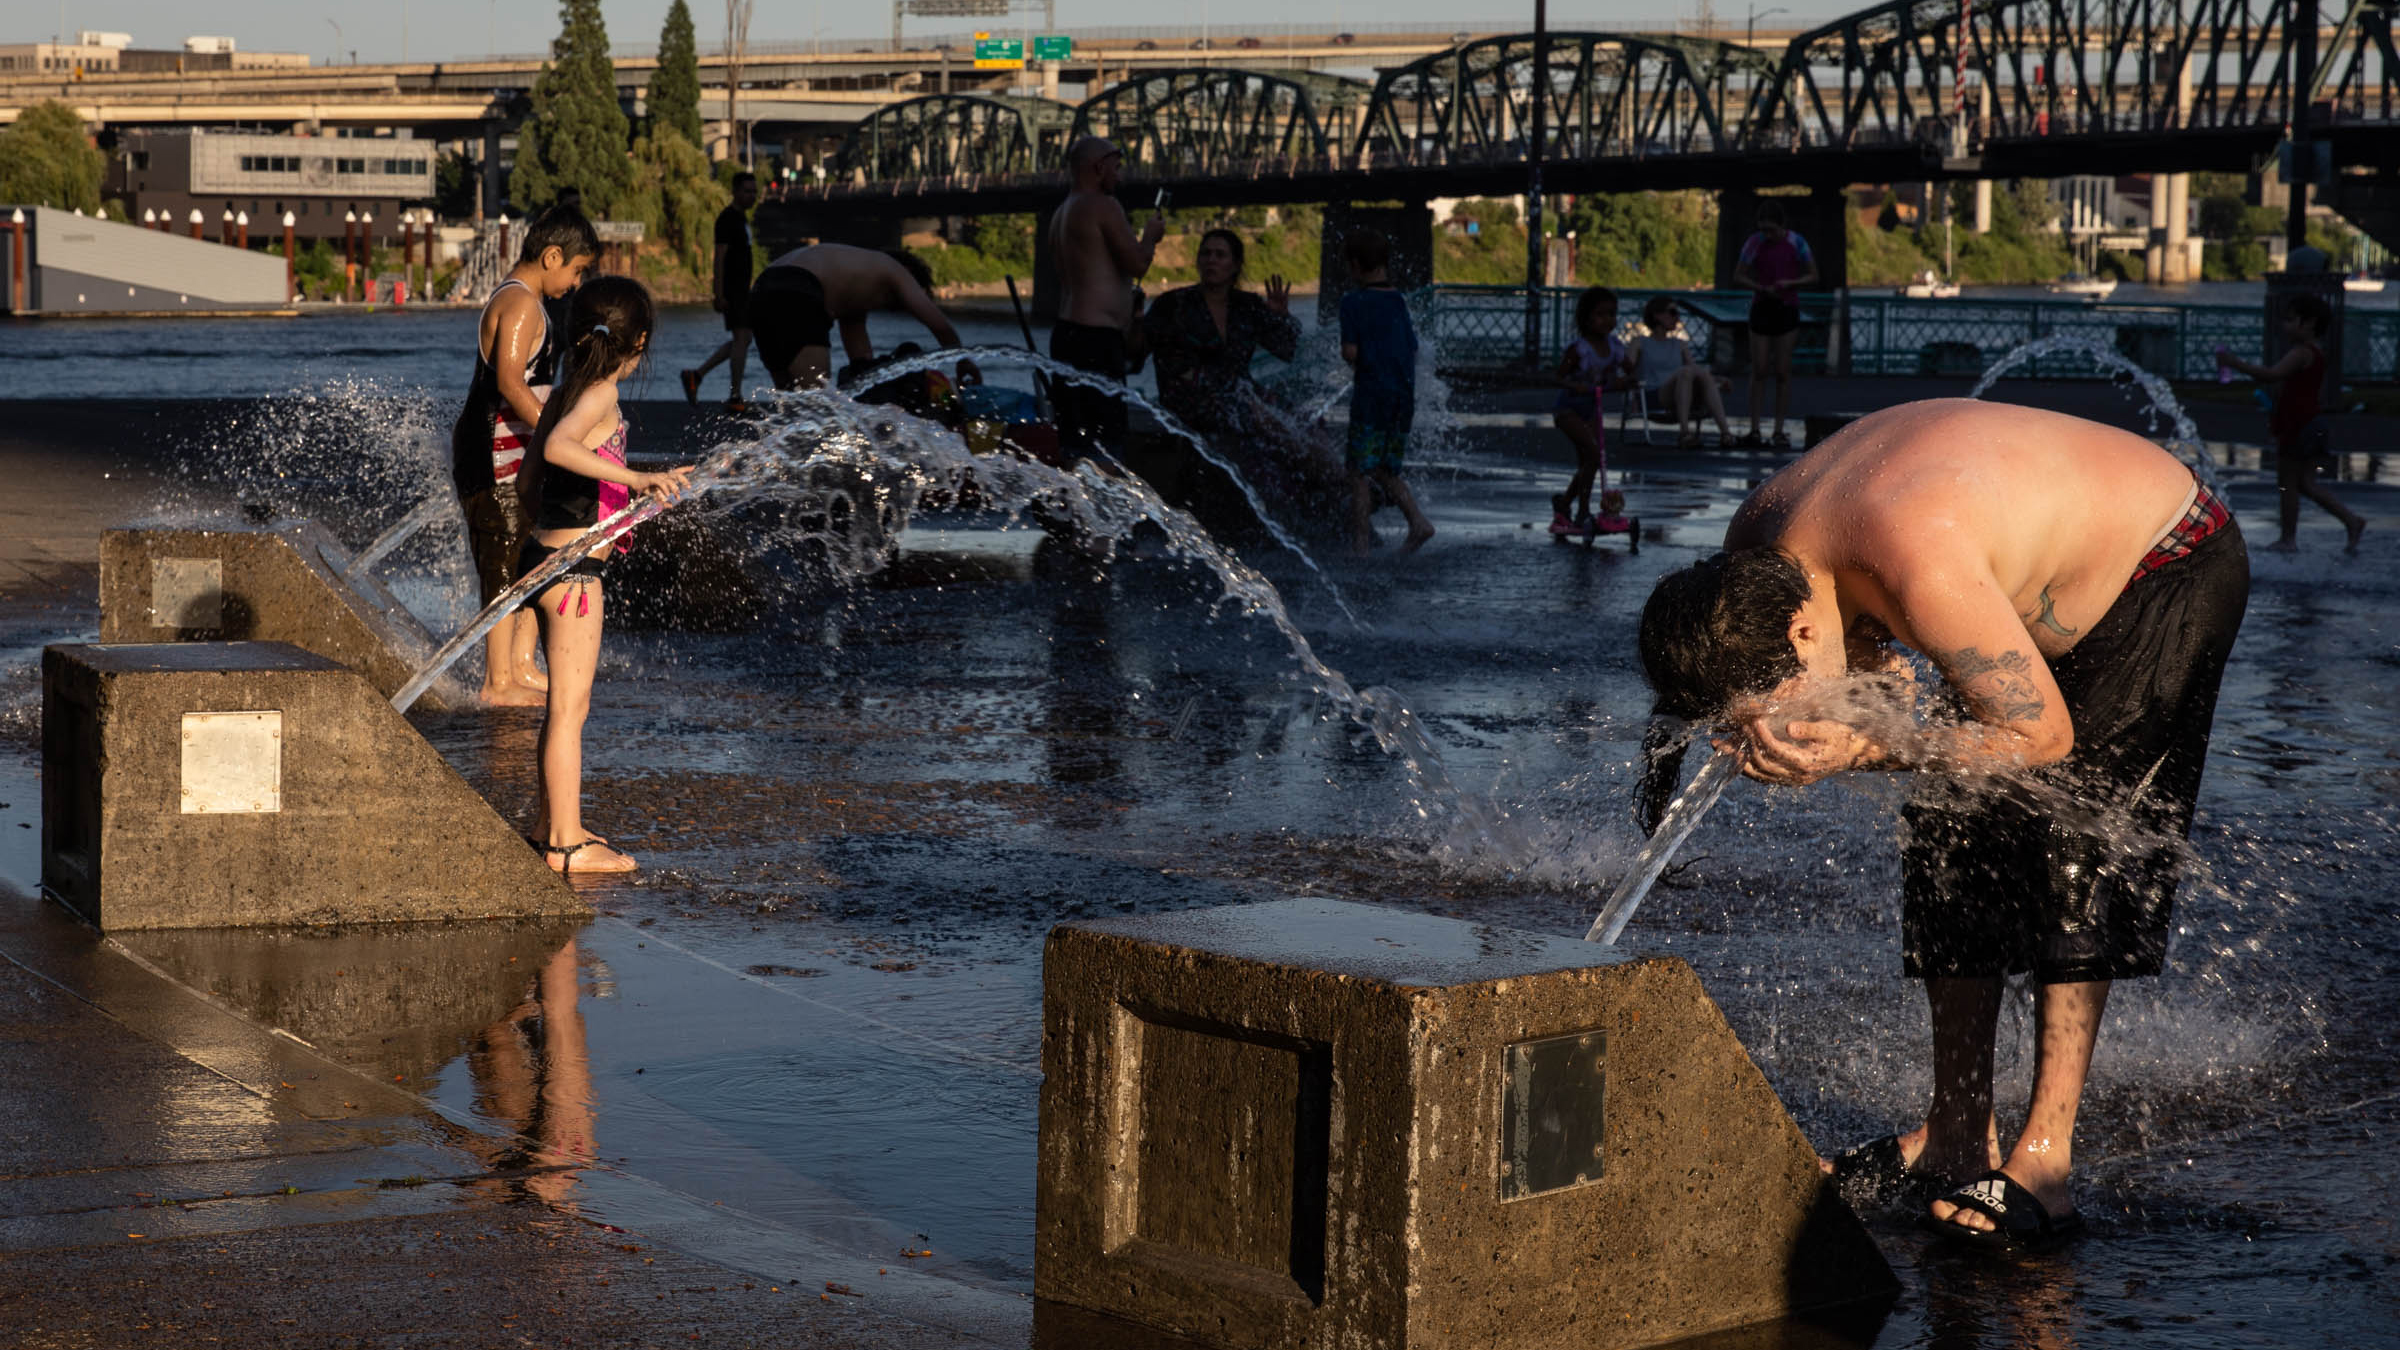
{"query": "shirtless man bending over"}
{"type": "Point", "coordinates": [1099, 259]}
{"type": "Point", "coordinates": [802, 296]}
{"type": "Point", "coordinates": [2079, 590]}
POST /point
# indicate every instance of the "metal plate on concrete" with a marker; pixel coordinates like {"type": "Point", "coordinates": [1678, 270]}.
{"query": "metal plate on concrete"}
{"type": "Point", "coordinates": [1550, 1116]}
{"type": "Point", "coordinates": [232, 763]}
{"type": "Point", "coordinates": [187, 593]}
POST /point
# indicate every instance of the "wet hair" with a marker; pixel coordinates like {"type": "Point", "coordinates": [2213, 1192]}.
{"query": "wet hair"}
{"type": "Point", "coordinates": [1367, 250]}
{"type": "Point", "coordinates": [1721, 628]}
{"type": "Point", "coordinates": [1233, 242]}
{"type": "Point", "coordinates": [608, 324]}
{"type": "Point", "coordinates": [1585, 304]}
{"type": "Point", "coordinates": [1770, 212]}
{"type": "Point", "coordinates": [2311, 310]}
{"type": "Point", "coordinates": [917, 270]}
{"type": "Point", "coordinates": [563, 228]}
{"type": "Point", "coordinates": [1657, 307]}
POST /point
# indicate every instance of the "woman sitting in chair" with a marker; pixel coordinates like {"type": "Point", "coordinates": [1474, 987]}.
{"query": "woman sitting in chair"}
{"type": "Point", "coordinates": [1664, 366]}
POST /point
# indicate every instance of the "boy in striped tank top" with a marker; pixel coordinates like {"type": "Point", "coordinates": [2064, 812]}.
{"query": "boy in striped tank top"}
{"type": "Point", "coordinates": [488, 443]}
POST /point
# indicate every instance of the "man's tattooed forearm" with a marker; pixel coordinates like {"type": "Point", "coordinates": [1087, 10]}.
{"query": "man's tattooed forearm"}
{"type": "Point", "coordinates": [2047, 617]}
{"type": "Point", "coordinates": [2002, 681]}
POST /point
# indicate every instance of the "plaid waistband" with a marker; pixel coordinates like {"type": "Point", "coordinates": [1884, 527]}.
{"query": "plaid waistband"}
{"type": "Point", "coordinates": [2204, 517]}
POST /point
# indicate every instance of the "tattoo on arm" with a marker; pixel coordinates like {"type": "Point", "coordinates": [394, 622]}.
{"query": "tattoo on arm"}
{"type": "Point", "coordinates": [2003, 682]}
{"type": "Point", "coordinates": [2047, 617]}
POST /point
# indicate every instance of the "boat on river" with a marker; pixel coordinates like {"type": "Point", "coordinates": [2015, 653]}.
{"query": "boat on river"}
{"type": "Point", "coordinates": [1927, 286]}
{"type": "Point", "coordinates": [2092, 288]}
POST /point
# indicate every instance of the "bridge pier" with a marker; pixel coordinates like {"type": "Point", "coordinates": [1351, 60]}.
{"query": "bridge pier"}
{"type": "Point", "coordinates": [1044, 300]}
{"type": "Point", "coordinates": [1409, 227]}
{"type": "Point", "coordinates": [495, 191]}
{"type": "Point", "coordinates": [2168, 261]}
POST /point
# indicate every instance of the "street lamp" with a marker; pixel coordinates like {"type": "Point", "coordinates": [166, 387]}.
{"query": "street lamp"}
{"type": "Point", "coordinates": [1750, 28]}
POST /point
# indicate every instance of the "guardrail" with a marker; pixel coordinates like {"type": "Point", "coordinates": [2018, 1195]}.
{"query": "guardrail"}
{"type": "Point", "coordinates": [1482, 328]}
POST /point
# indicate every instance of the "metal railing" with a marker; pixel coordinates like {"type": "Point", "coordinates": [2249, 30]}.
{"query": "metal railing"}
{"type": "Point", "coordinates": [1483, 328]}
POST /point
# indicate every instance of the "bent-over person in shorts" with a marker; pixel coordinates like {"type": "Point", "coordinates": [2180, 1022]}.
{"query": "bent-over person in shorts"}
{"type": "Point", "coordinates": [2079, 590]}
{"type": "Point", "coordinates": [801, 297]}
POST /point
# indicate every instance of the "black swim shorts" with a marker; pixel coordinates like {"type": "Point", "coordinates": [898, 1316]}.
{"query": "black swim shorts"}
{"type": "Point", "coordinates": [496, 536]}
{"type": "Point", "coordinates": [1087, 417]}
{"type": "Point", "coordinates": [2074, 877]}
{"type": "Point", "coordinates": [787, 314]}
{"type": "Point", "coordinates": [1770, 317]}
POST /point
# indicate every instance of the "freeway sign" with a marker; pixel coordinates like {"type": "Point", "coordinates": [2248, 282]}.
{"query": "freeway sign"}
{"type": "Point", "coordinates": [1053, 48]}
{"type": "Point", "coordinates": [952, 9]}
{"type": "Point", "coordinates": [993, 53]}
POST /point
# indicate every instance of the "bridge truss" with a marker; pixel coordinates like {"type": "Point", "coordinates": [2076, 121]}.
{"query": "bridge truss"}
{"type": "Point", "coordinates": [1604, 95]}
{"type": "Point", "coordinates": [1906, 89]}
{"type": "Point", "coordinates": [1953, 75]}
{"type": "Point", "coordinates": [1216, 120]}
{"type": "Point", "coordinates": [953, 136]}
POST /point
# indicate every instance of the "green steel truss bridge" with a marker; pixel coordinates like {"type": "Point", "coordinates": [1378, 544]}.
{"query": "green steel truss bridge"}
{"type": "Point", "coordinates": [1908, 90]}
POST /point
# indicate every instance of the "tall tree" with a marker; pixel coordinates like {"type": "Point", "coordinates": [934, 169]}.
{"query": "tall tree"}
{"type": "Point", "coordinates": [46, 160]}
{"type": "Point", "coordinates": [577, 135]}
{"type": "Point", "coordinates": [675, 86]}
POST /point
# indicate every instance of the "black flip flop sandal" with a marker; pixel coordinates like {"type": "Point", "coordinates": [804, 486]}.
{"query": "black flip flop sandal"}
{"type": "Point", "coordinates": [1873, 1173]}
{"type": "Point", "coordinates": [2024, 1224]}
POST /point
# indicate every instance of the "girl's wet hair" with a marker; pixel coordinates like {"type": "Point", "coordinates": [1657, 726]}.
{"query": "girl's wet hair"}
{"type": "Point", "coordinates": [1592, 299]}
{"type": "Point", "coordinates": [608, 324]}
{"type": "Point", "coordinates": [1721, 628]}
{"type": "Point", "coordinates": [1233, 242]}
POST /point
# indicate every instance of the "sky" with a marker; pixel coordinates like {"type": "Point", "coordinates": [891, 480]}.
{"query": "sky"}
{"type": "Point", "coordinates": [440, 29]}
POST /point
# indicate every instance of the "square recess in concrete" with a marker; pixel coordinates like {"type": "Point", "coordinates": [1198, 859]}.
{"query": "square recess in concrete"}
{"type": "Point", "coordinates": [1311, 1123]}
{"type": "Point", "coordinates": [187, 593]}
{"type": "Point", "coordinates": [232, 763]}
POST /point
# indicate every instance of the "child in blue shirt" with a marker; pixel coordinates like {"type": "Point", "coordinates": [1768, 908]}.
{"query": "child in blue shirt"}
{"type": "Point", "coordinates": [1380, 344]}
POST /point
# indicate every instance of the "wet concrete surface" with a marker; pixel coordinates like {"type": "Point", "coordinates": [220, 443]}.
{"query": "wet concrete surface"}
{"type": "Point", "coordinates": [805, 1038]}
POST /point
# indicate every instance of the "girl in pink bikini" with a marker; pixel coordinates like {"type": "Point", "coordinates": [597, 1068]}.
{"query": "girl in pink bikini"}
{"type": "Point", "coordinates": [577, 481]}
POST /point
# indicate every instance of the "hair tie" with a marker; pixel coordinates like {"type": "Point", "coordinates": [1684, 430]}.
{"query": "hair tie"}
{"type": "Point", "coordinates": [602, 329]}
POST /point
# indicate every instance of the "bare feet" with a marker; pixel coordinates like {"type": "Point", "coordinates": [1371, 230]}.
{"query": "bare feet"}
{"type": "Point", "coordinates": [2357, 528]}
{"type": "Point", "coordinates": [535, 679]}
{"type": "Point", "coordinates": [513, 696]}
{"type": "Point", "coordinates": [593, 855]}
{"type": "Point", "coordinates": [1416, 538]}
{"type": "Point", "coordinates": [2284, 546]}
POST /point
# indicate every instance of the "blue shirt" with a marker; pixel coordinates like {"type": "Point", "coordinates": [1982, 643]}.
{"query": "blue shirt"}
{"type": "Point", "coordinates": [1384, 390]}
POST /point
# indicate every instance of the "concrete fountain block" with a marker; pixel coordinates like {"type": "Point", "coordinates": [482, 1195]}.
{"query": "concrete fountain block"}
{"type": "Point", "coordinates": [1311, 1123]}
{"type": "Point", "coordinates": [238, 784]}
{"type": "Point", "coordinates": [278, 583]}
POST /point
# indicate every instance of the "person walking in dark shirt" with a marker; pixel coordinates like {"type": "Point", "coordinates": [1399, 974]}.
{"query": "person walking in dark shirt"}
{"type": "Point", "coordinates": [1380, 343]}
{"type": "Point", "coordinates": [729, 291]}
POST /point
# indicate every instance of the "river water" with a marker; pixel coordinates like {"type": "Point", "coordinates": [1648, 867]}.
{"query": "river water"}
{"type": "Point", "coordinates": [818, 1006]}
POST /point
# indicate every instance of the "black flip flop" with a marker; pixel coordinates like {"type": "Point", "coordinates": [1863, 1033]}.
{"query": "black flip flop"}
{"type": "Point", "coordinates": [2024, 1224]}
{"type": "Point", "coordinates": [1873, 1173]}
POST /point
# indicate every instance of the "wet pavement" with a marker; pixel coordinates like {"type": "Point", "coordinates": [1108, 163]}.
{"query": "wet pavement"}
{"type": "Point", "coordinates": [800, 1049]}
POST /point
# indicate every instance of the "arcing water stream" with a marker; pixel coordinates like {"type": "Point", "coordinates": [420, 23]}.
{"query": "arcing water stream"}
{"type": "Point", "coordinates": [898, 456]}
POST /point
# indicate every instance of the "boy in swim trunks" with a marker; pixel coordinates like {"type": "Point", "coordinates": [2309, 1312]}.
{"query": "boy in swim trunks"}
{"type": "Point", "coordinates": [488, 442]}
{"type": "Point", "coordinates": [2079, 591]}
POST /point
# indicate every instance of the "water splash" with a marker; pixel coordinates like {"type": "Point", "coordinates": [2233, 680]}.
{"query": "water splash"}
{"type": "Point", "coordinates": [1682, 817]}
{"type": "Point", "coordinates": [897, 457]}
{"type": "Point", "coordinates": [1174, 426]}
{"type": "Point", "coordinates": [2184, 443]}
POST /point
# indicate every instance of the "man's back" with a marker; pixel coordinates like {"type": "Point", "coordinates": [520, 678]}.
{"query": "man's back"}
{"type": "Point", "coordinates": [856, 280]}
{"type": "Point", "coordinates": [2037, 501]}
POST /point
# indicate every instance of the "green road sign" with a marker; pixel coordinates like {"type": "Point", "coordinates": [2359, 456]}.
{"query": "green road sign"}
{"type": "Point", "coordinates": [1053, 48]}
{"type": "Point", "coordinates": [998, 53]}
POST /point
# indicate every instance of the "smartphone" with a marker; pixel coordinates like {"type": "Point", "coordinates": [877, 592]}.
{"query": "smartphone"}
{"type": "Point", "coordinates": [1164, 198]}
